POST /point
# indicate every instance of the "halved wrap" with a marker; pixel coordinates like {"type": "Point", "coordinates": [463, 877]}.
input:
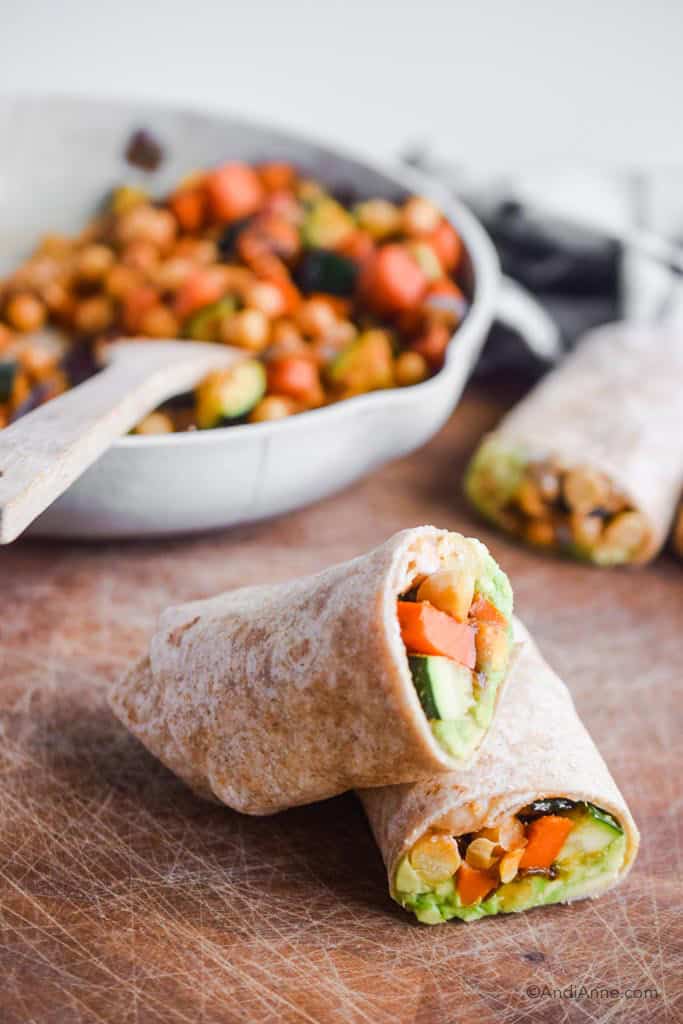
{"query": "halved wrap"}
{"type": "Point", "coordinates": [272, 696]}
{"type": "Point", "coordinates": [591, 461]}
{"type": "Point", "coordinates": [537, 820]}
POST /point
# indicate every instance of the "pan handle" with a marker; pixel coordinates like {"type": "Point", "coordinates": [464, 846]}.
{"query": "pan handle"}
{"type": "Point", "coordinates": [519, 310]}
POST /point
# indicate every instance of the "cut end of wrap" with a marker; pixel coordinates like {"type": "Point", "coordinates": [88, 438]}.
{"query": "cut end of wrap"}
{"type": "Point", "coordinates": [576, 509]}
{"type": "Point", "coordinates": [554, 849]}
{"type": "Point", "coordinates": [454, 605]}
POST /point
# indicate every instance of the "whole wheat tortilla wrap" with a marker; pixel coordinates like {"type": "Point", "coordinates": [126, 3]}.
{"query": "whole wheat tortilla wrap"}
{"type": "Point", "coordinates": [271, 696]}
{"type": "Point", "coordinates": [591, 461]}
{"type": "Point", "coordinates": [539, 760]}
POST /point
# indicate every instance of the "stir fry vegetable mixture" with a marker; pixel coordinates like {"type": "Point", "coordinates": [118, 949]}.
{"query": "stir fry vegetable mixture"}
{"type": "Point", "coordinates": [329, 299]}
{"type": "Point", "coordinates": [574, 509]}
{"type": "Point", "coordinates": [456, 629]}
{"type": "Point", "coordinates": [549, 852]}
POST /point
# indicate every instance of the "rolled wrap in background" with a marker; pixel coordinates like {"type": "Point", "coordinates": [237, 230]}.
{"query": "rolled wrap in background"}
{"type": "Point", "coordinates": [615, 405]}
{"type": "Point", "coordinates": [273, 696]}
{"type": "Point", "coordinates": [537, 748]}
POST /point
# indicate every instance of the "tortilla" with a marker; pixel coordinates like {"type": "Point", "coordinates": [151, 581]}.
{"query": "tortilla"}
{"type": "Point", "coordinates": [614, 405]}
{"type": "Point", "coordinates": [537, 749]}
{"type": "Point", "coordinates": [272, 696]}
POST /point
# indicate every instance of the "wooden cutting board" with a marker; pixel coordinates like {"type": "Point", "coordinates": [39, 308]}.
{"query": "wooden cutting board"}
{"type": "Point", "coordinates": [124, 898]}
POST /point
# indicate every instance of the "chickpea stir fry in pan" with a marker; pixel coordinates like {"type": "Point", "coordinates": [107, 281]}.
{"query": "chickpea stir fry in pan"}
{"type": "Point", "coordinates": [329, 299]}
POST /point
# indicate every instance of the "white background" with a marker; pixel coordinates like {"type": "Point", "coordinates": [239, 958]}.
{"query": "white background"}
{"type": "Point", "coordinates": [496, 84]}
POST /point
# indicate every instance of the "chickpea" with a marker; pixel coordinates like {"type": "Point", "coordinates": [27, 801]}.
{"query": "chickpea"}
{"type": "Point", "coordinates": [449, 590]}
{"type": "Point", "coordinates": [274, 407]}
{"type": "Point", "coordinates": [170, 275]}
{"type": "Point", "coordinates": [199, 250]}
{"type": "Point", "coordinates": [266, 297]}
{"type": "Point", "coordinates": [286, 332]}
{"type": "Point", "coordinates": [420, 216]}
{"type": "Point", "coordinates": [144, 223]}
{"type": "Point", "coordinates": [25, 312]}
{"type": "Point", "coordinates": [625, 533]}
{"type": "Point", "coordinates": [140, 255]}
{"type": "Point", "coordinates": [93, 262]}
{"type": "Point", "coordinates": [155, 423]}
{"type": "Point", "coordinates": [159, 322]}
{"type": "Point", "coordinates": [248, 329]}
{"type": "Point", "coordinates": [37, 272]}
{"type": "Point", "coordinates": [411, 368]}
{"type": "Point", "coordinates": [120, 280]}
{"type": "Point", "coordinates": [93, 315]}
{"type": "Point", "coordinates": [379, 218]}
{"type": "Point", "coordinates": [436, 857]}
{"type": "Point", "coordinates": [54, 245]}
{"type": "Point", "coordinates": [286, 340]}
{"type": "Point", "coordinates": [585, 489]}
{"type": "Point", "coordinates": [58, 299]}
{"type": "Point", "coordinates": [343, 333]}
{"type": "Point", "coordinates": [530, 499]}
{"type": "Point", "coordinates": [36, 361]}
{"type": "Point", "coordinates": [316, 317]}
{"type": "Point", "coordinates": [586, 530]}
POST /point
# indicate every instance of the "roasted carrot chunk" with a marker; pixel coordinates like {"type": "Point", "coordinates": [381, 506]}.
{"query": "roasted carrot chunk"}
{"type": "Point", "coordinates": [426, 630]}
{"type": "Point", "coordinates": [136, 302]}
{"type": "Point", "coordinates": [200, 288]}
{"type": "Point", "coordinates": [545, 839]}
{"type": "Point", "coordinates": [189, 206]}
{"type": "Point", "coordinates": [297, 377]}
{"type": "Point", "coordinates": [473, 884]}
{"type": "Point", "coordinates": [447, 245]}
{"type": "Point", "coordinates": [358, 246]}
{"type": "Point", "coordinates": [276, 176]}
{"type": "Point", "coordinates": [234, 191]}
{"type": "Point", "coordinates": [393, 280]}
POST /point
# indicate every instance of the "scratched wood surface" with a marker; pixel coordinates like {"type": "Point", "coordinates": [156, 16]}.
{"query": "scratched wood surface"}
{"type": "Point", "coordinates": [124, 898]}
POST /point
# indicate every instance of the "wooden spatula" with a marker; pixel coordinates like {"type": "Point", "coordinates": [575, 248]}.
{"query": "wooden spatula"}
{"type": "Point", "coordinates": [46, 450]}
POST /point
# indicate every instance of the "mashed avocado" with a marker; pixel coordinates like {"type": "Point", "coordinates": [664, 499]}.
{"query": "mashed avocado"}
{"type": "Point", "coordinates": [493, 477]}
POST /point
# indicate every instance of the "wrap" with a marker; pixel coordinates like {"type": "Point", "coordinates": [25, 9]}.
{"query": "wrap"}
{"type": "Point", "coordinates": [272, 696]}
{"type": "Point", "coordinates": [615, 408]}
{"type": "Point", "coordinates": [537, 749]}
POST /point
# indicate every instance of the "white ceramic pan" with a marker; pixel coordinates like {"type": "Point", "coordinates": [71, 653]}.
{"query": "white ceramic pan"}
{"type": "Point", "coordinates": [58, 159]}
